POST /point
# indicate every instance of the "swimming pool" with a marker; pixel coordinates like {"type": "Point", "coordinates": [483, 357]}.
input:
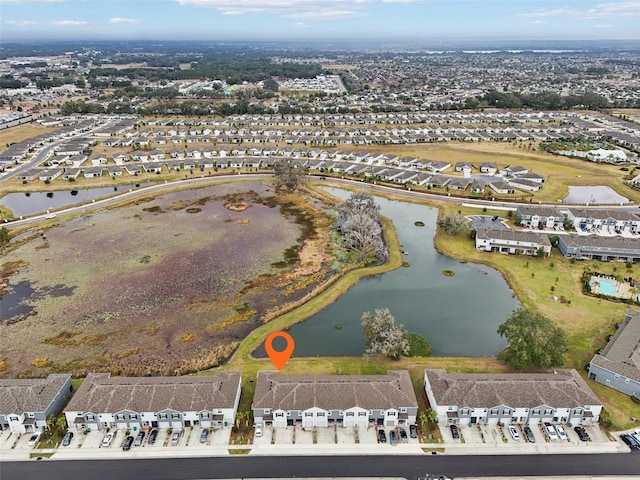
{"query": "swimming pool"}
{"type": "Point", "coordinates": [606, 287]}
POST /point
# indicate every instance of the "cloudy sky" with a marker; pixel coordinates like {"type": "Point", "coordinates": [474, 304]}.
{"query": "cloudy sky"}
{"type": "Point", "coordinates": [317, 19]}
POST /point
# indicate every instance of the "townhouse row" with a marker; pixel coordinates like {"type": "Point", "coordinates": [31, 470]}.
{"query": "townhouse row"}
{"type": "Point", "coordinates": [279, 401]}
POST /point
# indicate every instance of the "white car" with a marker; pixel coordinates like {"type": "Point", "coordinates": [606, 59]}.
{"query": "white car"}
{"type": "Point", "coordinates": [514, 433]}
{"type": "Point", "coordinates": [551, 432]}
{"type": "Point", "coordinates": [106, 441]}
{"type": "Point", "coordinates": [561, 433]}
{"type": "Point", "coordinates": [34, 439]}
{"type": "Point", "coordinates": [258, 429]}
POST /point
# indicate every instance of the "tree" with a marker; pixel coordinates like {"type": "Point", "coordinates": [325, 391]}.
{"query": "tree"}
{"type": "Point", "coordinates": [382, 334]}
{"type": "Point", "coordinates": [4, 238]}
{"type": "Point", "coordinates": [455, 224]}
{"type": "Point", "coordinates": [289, 173]}
{"type": "Point", "coordinates": [534, 341]}
{"type": "Point", "coordinates": [418, 346]}
{"type": "Point", "coordinates": [358, 217]}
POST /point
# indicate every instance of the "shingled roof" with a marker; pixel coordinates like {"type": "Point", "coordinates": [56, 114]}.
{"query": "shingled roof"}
{"type": "Point", "coordinates": [334, 392]}
{"type": "Point", "coordinates": [622, 353]}
{"type": "Point", "coordinates": [30, 395]}
{"type": "Point", "coordinates": [100, 392]}
{"type": "Point", "coordinates": [562, 389]}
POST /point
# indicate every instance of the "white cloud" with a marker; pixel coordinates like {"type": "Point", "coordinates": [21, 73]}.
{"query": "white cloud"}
{"type": "Point", "coordinates": [20, 23]}
{"type": "Point", "coordinates": [123, 20]}
{"type": "Point", "coordinates": [70, 23]}
{"type": "Point", "coordinates": [13, 2]}
{"type": "Point", "coordinates": [301, 25]}
{"type": "Point", "coordinates": [319, 9]}
{"type": "Point", "coordinates": [606, 10]}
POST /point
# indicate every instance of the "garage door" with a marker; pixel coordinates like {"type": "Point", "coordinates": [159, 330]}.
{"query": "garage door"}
{"type": "Point", "coordinates": [349, 422]}
{"type": "Point", "coordinates": [280, 422]}
{"type": "Point", "coordinates": [363, 422]}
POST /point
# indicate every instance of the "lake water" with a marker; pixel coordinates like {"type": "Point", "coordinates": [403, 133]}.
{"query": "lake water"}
{"type": "Point", "coordinates": [33, 203]}
{"type": "Point", "coordinates": [594, 194]}
{"type": "Point", "coordinates": [458, 315]}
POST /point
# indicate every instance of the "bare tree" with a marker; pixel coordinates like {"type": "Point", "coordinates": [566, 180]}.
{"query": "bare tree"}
{"type": "Point", "coordinates": [290, 173]}
{"type": "Point", "coordinates": [455, 224]}
{"type": "Point", "coordinates": [358, 217]}
{"type": "Point", "coordinates": [383, 335]}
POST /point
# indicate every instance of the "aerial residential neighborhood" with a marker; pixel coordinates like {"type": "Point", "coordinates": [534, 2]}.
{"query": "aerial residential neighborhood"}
{"type": "Point", "coordinates": [389, 240]}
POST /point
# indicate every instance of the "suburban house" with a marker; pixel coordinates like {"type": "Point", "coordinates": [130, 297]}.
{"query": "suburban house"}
{"type": "Point", "coordinates": [527, 398]}
{"type": "Point", "coordinates": [610, 221]}
{"type": "Point", "coordinates": [512, 241]}
{"type": "Point", "coordinates": [347, 400]}
{"type": "Point", "coordinates": [536, 217]}
{"type": "Point", "coordinates": [618, 364]}
{"type": "Point", "coordinates": [502, 187]}
{"type": "Point", "coordinates": [165, 402]}
{"type": "Point", "coordinates": [589, 247]}
{"type": "Point", "coordinates": [25, 404]}
{"type": "Point", "coordinates": [489, 168]}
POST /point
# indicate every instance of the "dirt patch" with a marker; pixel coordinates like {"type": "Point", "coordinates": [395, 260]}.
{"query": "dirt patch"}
{"type": "Point", "coordinates": [144, 293]}
{"type": "Point", "coordinates": [236, 206]}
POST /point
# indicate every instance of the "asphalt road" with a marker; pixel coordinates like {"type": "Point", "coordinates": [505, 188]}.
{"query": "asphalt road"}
{"type": "Point", "coordinates": [409, 467]}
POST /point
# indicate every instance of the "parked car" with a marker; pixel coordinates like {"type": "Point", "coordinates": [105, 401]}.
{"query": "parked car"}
{"type": "Point", "coordinates": [551, 432]}
{"type": "Point", "coordinates": [204, 435]}
{"type": "Point", "coordinates": [630, 441]}
{"type": "Point", "coordinates": [258, 430]}
{"type": "Point", "coordinates": [582, 433]}
{"type": "Point", "coordinates": [513, 431]}
{"type": "Point", "coordinates": [413, 431]}
{"type": "Point", "coordinates": [403, 436]}
{"type": "Point", "coordinates": [392, 438]}
{"type": "Point", "coordinates": [175, 437]}
{"type": "Point", "coordinates": [561, 433]}
{"type": "Point", "coordinates": [153, 434]}
{"type": "Point", "coordinates": [108, 438]}
{"type": "Point", "coordinates": [66, 441]}
{"type": "Point", "coordinates": [34, 439]}
{"type": "Point", "coordinates": [455, 433]}
{"type": "Point", "coordinates": [382, 437]}
{"type": "Point", "coordinates": [139, 439]}
{"type": "Point", "coordinates": [127, 443]}
{"type": "Point", "coordinates": [529, 434]}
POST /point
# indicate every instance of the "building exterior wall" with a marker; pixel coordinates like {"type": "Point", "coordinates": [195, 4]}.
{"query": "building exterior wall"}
{"type": "Point", "coordinates": [614, 380]}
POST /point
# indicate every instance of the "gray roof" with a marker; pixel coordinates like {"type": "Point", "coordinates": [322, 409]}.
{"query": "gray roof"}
{"type": "Point", "coordinates": [562, 389]}
{"type": "Point", "coordinates": [622, 353]}
{"type": "Point", "coordinates": [100, 393]}
{"type": "Point", "coordinates": [334, 392]}
{"type": "Point", "coordinates": [604, 214]}
{"type": "Point", "coordinates": [30, 395]}
{"type": "Point", "coordinates": [526, 210]}
{"type": "Point", "coordinates": [596, 241]}
{"type": "Point", "coordinates": [513, 235]}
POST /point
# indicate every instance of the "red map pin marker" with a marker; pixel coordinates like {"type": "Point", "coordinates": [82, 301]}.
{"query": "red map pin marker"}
{"type": "Point", "coordinates": [279, 359]}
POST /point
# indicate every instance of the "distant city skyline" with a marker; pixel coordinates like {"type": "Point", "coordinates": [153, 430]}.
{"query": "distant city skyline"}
{"type": "Point", "coordinates": [318, 20]}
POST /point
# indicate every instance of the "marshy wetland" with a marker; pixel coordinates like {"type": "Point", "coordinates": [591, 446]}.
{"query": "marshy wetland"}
{"type": "Point", "coordinates": [164, 285]}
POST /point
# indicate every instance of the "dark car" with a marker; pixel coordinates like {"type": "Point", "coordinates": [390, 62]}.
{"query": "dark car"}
{"type": "Point", "coordinates": [582, 433]}
{"type": "Point", "coordinates": [392, 438]}
{"type": "Point", "coordinates": [454, 432]}
{"type": "Point", "coordinates": [153, 434]}
{"type": "Point", "coordinates": [382, 437]}
{"type": "Point", "coordinates": [403, 436]}
{"type": "Point", "coordinates": [127, 443]}
{"type": "Point", "coordinates": [66, 441]}
{"type": "Point", "coordinates": [204, 435]}
{"type": "Point", "coordinates": [413, 431]}
{"type": "Point", "coordinates": [630, 441]}
{"type": "Point", "coordinates": [529, 434]}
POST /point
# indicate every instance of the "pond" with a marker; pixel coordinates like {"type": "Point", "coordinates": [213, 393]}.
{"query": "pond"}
{"type": "Point", "coordinates": [594, 194]}
{"type": "Point", "coordinates": [33, 203]}
{"type": "Point", "coordinates": [458, 314]}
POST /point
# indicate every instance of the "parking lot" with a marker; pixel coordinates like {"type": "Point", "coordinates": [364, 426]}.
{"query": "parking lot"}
{"type": "Point", "coordinates": [325, 436]}
{"type": "Point", "coordinates": [499, 435]}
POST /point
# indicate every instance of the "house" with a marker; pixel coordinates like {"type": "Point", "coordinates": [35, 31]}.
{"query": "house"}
{"type": "Point", "coordinates": [512, 241]}
{"type": "Point", "coordinates": [133, 403]}
{"type": "Point", "coordinates": [93, 172]}
{"type": "Point", "coordinates": [588, 247]}
{"type": "Point", "coordinates": [50, 174]}
{"type": "Point", "coordinates": [618, 364]}
{"type": "Point", "coordinates": [514, 171]}
{"type": "Point", "coordinates": [438, 166]}
{"type": "Point", "coordinates": [509, 398]}
{"type": "Point", "coordinates": [30, 174]}
{"type": "Point", "coordinates": [347, 400]}
{"type": "Point", "coordinates": [502, 187]}
{"type": "Point", "coordinates": [609, 221]}
{"type": "Point", "coordinates": [71, 173]}
{"type": "Point", "coordinates": [539, 217]}
{"type": "Point", "coordinates": [459, 184]}
{"type": "Point", "coordinates": [489, 168]}
{"type": "Point", "coordinates": [25, 404]}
